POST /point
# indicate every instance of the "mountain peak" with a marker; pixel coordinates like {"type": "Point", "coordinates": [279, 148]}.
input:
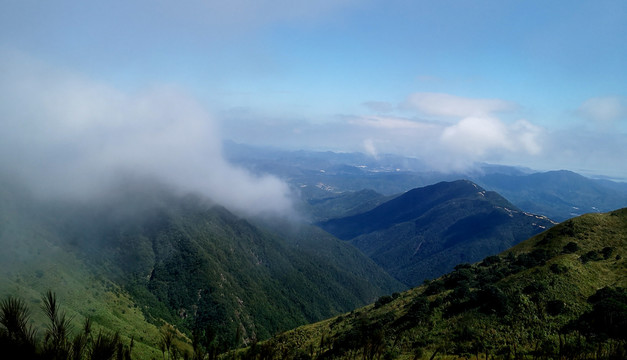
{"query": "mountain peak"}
{"type": "Point", "coordinates": [427, 231]}
{"type": "Point", "coordinates": [410, 205]}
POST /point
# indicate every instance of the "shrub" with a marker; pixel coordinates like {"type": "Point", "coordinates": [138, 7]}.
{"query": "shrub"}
{"type": "Point", "coordinates": [607, 252]}
{"type": "Point", "coordinates": [493, 301]}
{"type": "Point", "coordinates": [490, 260]}
{"type": "Point", "coordinates": [385, 299]}
{"type": "Point", "coordinates": [570, 248]}
{"type": "Point", "coordinates": [535, 287]}
{"type": "Point", "coordinates": [590, 256]}
{"type": "Point", "coordinates": [435, 287]}
{"type": "Point", "coordinates": [555, 307]}
{"type": "Point", "coordinates": [558, 268]}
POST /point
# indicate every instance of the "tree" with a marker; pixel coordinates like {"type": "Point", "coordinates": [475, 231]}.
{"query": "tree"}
{"type": "Point", "coordinates": [17, 337]}
{"type": "Point", "coordinates": [56, 338]}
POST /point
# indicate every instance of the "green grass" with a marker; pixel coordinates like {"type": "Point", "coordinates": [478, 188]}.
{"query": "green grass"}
{"type": "Point", "coordinates": [33, 264]}
{"type": "Point", "coordinates": [536, 277]}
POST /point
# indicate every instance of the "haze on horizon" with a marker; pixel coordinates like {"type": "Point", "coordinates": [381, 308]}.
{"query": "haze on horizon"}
{"type": "Point", "coordinates": [89, 89]}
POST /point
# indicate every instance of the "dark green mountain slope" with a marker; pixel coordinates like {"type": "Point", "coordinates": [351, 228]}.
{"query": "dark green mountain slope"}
{"type": "Point", "coordinates": [198, 266]}
{"type": "Point", "coordinates": [561, 294]}
{"type": "Point", "coordinates": [558, 194]}
{"type": "Point", "coordinates": [427, 231]}
{"type": "Point", "coordinates": [347, 203]}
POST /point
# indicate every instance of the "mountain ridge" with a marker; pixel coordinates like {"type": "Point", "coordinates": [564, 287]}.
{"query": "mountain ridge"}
{"type": "Point", "coordinates": [559, 294]}
{"type": "Point", "coordinates": [194, 264]}
{"type": "Point", "coordinates": [426, 231]}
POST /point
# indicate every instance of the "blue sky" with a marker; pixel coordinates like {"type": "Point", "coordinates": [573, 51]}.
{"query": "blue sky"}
{"type": "Point", "coordinates": [531, 83]}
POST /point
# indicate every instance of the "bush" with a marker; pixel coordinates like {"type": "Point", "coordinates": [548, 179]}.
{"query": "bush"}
{"type": "Point", "coordinates": [435, 287]}
{"type": "Point", "coordinates": [590, 256]}
{"type": "Point", "coordinates": [419, 311]}
{"type": "Point", "coordinates": [607, 252]}
{"type": "Point", "coordinates": [558, 268]}
{"type": "Point", "coordinates": [493, 301]}
{"type": "Point", "coordinates": [555, 307]}
{"type": "Point", "coordinates": [570, 248]}
{"type": "Point", "coordinates": [385, 299]}
{"type": "Point", "coordinates": [534, 288]}
{"type": "Point", "coordinates": [490, 260]}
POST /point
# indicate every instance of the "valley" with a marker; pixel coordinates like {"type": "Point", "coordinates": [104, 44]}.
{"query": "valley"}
{"type": "Point", "coordinates": [147, 261]}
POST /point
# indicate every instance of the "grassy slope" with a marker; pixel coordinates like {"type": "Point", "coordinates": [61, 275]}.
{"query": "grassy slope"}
{"type": "Point", "coordinates": [173, 258]}
{"type": "Point", "coordinates": [528, 322]}
{"type": "Point", "coordinates": [34, 263]}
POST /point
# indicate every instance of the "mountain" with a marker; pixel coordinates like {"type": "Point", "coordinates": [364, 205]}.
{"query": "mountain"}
{"type": "Point", "coordinates": [560, 294]}
{"type": "Point", "coordinates": [425, 232]}
{"type": "Point", "coordinates": [558, 194]}
{"type": "Point", "coordinates": [34, 260]}
{"type": "Point", "coordinates": [183, 260]}
{"type": "Point", "coordinates": [318, 174]}
{"type": "Point", "coordinates": [347, 203]}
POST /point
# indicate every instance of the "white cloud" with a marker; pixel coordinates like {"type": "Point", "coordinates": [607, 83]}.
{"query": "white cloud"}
{"type": "Point", "coordinates": [370, 148]}
{"type": "Point", "coordinates": [389, 123]}
{"type": "Point", "coordinates": [455, 106]}
{"type": "Point", "coordinates": [66, 135]}
{"type": "Point", "coordinates": [604, 109]}
{"type": "Point", "coordinates": [527, 136]}
{"type": "Point", "coordinates": [474, 136]}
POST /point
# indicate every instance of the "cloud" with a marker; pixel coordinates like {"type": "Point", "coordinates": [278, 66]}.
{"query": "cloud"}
{"type": "Point", "coordinates": [603, 110]}
{"type": "Point", "coordinates": [440, 104]}
{"type": "Point", "coordinates": [473, 137]}
{"type": "Point", "coordinates": [455, 144]}
{"type": "Point", "coordinates": [389, 123]}
{"type": "Point", "coordinates": [66, 135]}
{"type": "Point", "coordinates": [370, 148]}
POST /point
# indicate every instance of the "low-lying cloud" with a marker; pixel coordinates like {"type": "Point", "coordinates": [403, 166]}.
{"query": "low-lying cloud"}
{"type": "Point", "coordinates": [604, 110]}
{"type": "Point", "coordinates": [66, 135]}
{"type": "Point", "coordinates": [440, 104]}
{"type": "Point", "coordinates": [447, 132]}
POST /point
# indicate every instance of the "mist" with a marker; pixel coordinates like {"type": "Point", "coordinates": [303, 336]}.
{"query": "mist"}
{"type": "Point", "coordinates": [68, 136]}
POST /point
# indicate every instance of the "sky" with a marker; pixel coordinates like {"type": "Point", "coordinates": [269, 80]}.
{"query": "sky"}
{"type": "Point", "coordinates": [91, 88]}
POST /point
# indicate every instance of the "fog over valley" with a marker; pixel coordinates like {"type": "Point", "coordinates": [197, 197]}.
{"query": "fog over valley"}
{"type": "Point", "coordinates": [67, 136]}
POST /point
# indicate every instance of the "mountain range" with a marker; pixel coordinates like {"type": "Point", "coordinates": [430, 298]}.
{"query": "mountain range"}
{"type": "Point", "coordinates": [143, 257]}
{"type": "Point", "coordinates": [427, 231]}
{"type": "Point", "coordinates": [558, 195]}
{"type": "Point", "coordinates": [183, 260]}
{"type": "Point", "coordinates": [560, 294]}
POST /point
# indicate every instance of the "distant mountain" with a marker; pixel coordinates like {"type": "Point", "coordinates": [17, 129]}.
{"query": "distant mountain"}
{"type": "Point", "coordinates": [558, 194]}
{"type": "Point", "coordinates": [183, 260]}
{"type": "Point", "coordinates": [318, 174]}
{"type": "Point", "coordinates": [425, 232]}
{"type": "Point", "coordinates": [346, 203]}
{"type": "Point", "coordinates": [561, 294]}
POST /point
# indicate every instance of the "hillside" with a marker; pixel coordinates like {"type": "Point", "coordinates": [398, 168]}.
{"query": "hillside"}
{"type": "Point", "coordinates": [347, 203]}
{"type": "Point", "coordinates": [560, 294]}
{"type": "Point", "coordinates": [184, 260]}
{"type": "Point", "coordinates": [559, 195]}
{"type": "Point", "coordinates": [425, 232]}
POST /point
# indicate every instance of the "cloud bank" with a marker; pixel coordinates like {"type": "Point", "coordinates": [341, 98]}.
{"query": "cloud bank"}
{"type": "Point", "coordinates": [604, 110]}
{"type": "Point", "coordinates": [447, 132]}
{"type": "Point", "coordinates": [455, 106]}
{"type": "Point", "coordinates": [65, 135]}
